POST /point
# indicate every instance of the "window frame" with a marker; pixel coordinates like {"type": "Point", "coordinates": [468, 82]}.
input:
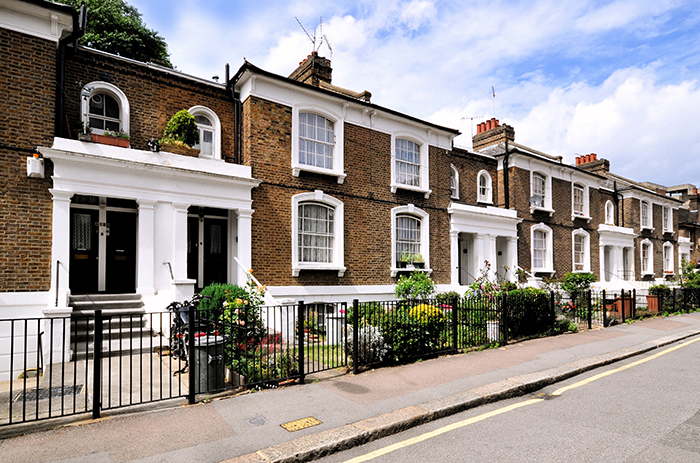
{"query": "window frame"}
{"type": "Point", "coordinates": [549, 251]}
{"type": "Point", "coordinates": [454, 182]}
{"type": "Point", "coordinates": [648, 224]}
{"type": "Point", "coordinates": [199, 110]}
{"type": "Point", "coordinates": [338, 253]}
{"type": "Point", "coordinates": [649, 268]}
{"type": "Point", "coordinates": [546, 193]}
{"type": "Point", "coordinates": [666, 219]}
{"type": "Point", "coordinates": [667, 257]}
{"type": "Point", "coordinates": [488, 197]}
{"type": "Point", "coordinates": [99, 87]}
{"type": "Point", "coordinates": [585, 204]}
{"type": "Point", "coordinates": [424, 218]}
{"type": "Point", "coordinates": [586, 252]}
{"type": "Point", "coordinates": [423, 176]}
{"type": "Point", "coordinates": [338, 169]}
{"type": "Point", "coordinates": [609, 211]}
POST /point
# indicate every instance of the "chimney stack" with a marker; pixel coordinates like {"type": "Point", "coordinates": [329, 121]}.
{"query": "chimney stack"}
{"type": "Point", "coordinates": [591, 163]}
{"type": "Point", "coordinates": [313, 70]}
{"type": "Point", "coordinates": [491, 133]}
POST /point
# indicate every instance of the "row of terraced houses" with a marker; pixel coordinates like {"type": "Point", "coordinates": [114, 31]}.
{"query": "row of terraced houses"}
{"type": "Point", "coordinates": [326, 195]}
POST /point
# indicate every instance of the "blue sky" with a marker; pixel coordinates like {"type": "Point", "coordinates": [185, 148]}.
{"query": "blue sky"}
{"type": "Point", "coordinates": [616, 78]}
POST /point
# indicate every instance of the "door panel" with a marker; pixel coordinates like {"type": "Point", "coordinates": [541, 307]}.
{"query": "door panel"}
{"type": "Point", "coordinates": [84, 247]}
{"type": "Point", "coordinates": [121, 253]}
{"type": "Point", "coordinates": [214, 251]}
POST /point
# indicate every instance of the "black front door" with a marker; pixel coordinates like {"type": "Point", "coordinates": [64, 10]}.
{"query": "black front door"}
{"type": "Point", "coordinates": [207, 238]}
{"type": "Point", "coordinates": [84, 251]}
{"type": "Point", "coordinates": [120, 271]}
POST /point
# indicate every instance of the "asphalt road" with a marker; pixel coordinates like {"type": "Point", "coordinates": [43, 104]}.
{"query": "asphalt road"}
{"type": "Point", "coordinates": [646, 409]}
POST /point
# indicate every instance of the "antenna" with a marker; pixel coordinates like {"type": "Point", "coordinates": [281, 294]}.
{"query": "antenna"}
{"type": "Point", "coordinates": [321, 36]}
{"type": "Point", "coordinates": [471, 123]}
{"type": "Point", "coordinates": [313, 41]}
{"type": "Point", "coordinates": [493, 93]}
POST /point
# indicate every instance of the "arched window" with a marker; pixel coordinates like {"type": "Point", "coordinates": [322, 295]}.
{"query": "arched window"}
{"type": "Point", "coordinates": [540, 188]}
{"type": "Point", "coordinates": [668, 258]}
{"type": "Point", "coordinates": [317, 233]}
{"type": "Point", "coordinates": [542, 249]}
{"type": "Point", "coordinates": [410, 237]}
{"type": "Point", "coordinates": [485, 194]}
{"type": "Point", "coordinates": [409, 162]}
{"type": "Point", "coordinates": [209, 127]}
{"type": "Point", "coordinates": [105, 108]}
{"type": "Point", "coordinates": [609, 213]}
{"type": "Point", "coordinates": [581, 251]}
{"type": "Point", "coordinates": [316, 140]}
{"type": "Point", "coordinates": [579, 200]}
{"type": "Point", "coordinates": [647, 257]}
{"type": "Point", "coordinates": [667, 219]}
{"type": "Point", "coordinates": [645, 215]}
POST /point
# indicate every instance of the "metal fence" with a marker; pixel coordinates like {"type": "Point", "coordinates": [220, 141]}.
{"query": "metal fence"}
{"type": "Point", "coordinates": [54, 367]}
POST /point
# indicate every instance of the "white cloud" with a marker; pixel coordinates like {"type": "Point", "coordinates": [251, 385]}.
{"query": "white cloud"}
{"type": "Point", "coordinates": [416, 13]}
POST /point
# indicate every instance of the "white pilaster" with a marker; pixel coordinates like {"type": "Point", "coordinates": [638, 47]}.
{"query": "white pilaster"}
{"type": "Point", "coordinates": [60, 251]}
{"type": "Point", "coordinates": [245, 243]}
{"type": "Point", "coordinates": [454, 257]}
{"type": "Point", "coordinates": [512, 257]}
{"type": "Point", "coordinates": [601, 260]}
{"type": "Point", "coordinates": [145, 250]}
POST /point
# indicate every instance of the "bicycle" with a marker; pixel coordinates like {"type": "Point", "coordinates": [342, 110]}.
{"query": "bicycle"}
{"type": "Point", "coordinates": [180, 329]}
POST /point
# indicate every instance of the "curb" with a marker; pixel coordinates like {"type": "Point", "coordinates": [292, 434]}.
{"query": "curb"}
{"type": "Point", "coordinates": [318, 445]}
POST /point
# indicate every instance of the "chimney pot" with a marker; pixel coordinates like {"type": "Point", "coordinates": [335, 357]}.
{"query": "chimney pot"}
{"type": "Point", "coordinates": [594, 156]}
{"type": "Point", "coordinates": [695, 191]}
{"type": "Point", "coordinates": [578, 160]}
{"type": "Point", "coordinates": [588, 158]}
{"type": "Point", "coordinates": [497, 123]}
{"type": "Point", "coordinates": [478, 129]}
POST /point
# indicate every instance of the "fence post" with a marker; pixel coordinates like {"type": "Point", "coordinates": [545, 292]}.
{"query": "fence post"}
{"type": "Point", "coordinates": [674, 299]}
{"type": "Point", "coordinates": [622, 307]}
{"type": "Point", "coordinates": [455, 325]}
{"type": "Point", "coordinates": [190, 355]}
{"type": "Point", "coordinates": [504, 318]}
{"type": "Point", "coordinates": [301, 317]}
{"type": "Point", "coordinates": [355, 336]}
{"type": "Point", "coordinates": [603, 306]}
{"type": "Point", "coordinates": [634, 303]}
{"type": "Point", "coordinates": [97, 367]}
{"type": "Point", "coordinates": [590, 311]}
{"type": "Point", "coordinates": [685, 302]}
{"type": "Point", "coordinates": [552, 311]}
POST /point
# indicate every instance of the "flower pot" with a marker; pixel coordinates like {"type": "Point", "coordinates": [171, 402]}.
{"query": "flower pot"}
{"type": "Point", "coordinates": [653, 303]}
{"type": "Point", "coordinates": [180, 149]}
{"type": "Point", "coordinates": [419, 264]}
{"type": "Point", "coordinates": [107, 140]}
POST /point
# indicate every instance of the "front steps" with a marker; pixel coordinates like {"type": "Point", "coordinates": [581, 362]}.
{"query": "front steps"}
{"type": "Point", "coordinates": [125, 330]}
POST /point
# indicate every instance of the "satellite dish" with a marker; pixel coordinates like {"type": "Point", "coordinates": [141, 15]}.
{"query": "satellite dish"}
{"type": "Point", "coordinates": [536, 200]}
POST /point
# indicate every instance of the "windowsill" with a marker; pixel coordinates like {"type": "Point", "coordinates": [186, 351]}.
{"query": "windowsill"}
{"type": "Point", "coordinates": [647, 274]}
{"type": "Point", "coordinates": [455, 197]}
{"type": "Point", "coordinates": [669, 274]}
{"type": "Point", "coordinates": [298, 268]}
{"type": "Point", "coordinates": [541, 270]}
{"type": "Point", "coordinates": [580, 271]}
{"type": "Point", "coordinates": [581, 216]}
{"type": "Point", "coordinates": [299, 168]}
{"type": "Point", "coordinates": [671, 232]}
{"type": "Point", "coordinates": [543, 209]}
{"type": "Point", "coordinates": [483, 201]}
{"type": "Point", "coordinates": [647, 228]}
{"type": "Point", "coordinates": [398, 186]}
{"type": "Point", "coordinates": [395, 271]}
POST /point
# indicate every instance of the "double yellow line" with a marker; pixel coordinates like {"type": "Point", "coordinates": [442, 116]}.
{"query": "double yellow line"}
{"type": "Point", "coordinates": [500, 411]}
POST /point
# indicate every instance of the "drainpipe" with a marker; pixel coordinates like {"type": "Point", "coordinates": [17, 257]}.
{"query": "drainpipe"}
{"type": "Point", "coordinates": [506, 186]}
{"type": "Point", "coordinates": [79, 23]}
{"type": "Point", "coordinates": [618, 212]}
{"type": "Point", "coordinates": [238, 124]}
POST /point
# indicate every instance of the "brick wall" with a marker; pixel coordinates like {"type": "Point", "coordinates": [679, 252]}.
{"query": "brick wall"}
{"type": "Point", "coordinates": [469, 165]}
{"type": "Point", "coordinates": [27, 83]}
{"type": "Point", "coordinates": [365, 193]}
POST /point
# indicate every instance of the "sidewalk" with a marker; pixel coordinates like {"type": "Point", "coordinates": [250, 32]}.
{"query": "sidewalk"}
{"type": "Point", "coordinates": [351, 409]}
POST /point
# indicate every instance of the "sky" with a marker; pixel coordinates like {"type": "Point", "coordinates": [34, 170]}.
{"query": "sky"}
{"type": "Point", "coordinates": [616, 78]}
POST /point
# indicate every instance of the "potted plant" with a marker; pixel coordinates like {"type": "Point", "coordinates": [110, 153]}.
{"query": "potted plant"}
{"type": "Point", "coordinates": [418, 260]}
{"type": "Point", "coordinates": [180, 134]}
{"type": "Point", "coordinates": [655, 297]}
{"type": "Point", "coordinates": [404, 260]}
{"type": "Point", "coordinates": [117, 138]}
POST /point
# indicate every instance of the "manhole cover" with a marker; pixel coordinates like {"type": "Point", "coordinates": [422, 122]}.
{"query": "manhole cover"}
{"type": "Point", "coordinates": [257, 421]}
{"type": "Point", "coordinates": [300, 424]}
{"type": "Point", "coordinates": [54, 392]}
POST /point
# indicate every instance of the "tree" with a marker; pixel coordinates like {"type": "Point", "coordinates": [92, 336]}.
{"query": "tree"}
{"type": "Point", "coordinates": [116, 27]}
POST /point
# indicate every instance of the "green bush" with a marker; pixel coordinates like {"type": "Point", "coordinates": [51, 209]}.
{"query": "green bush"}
{"type": "Point", "coordinates": [416, 286]}
{"type": "Point", "coordinates": [577, 282]}
{"type": "Point", "coordinates": [660, 290]}
{"type": "Point", "coordinates": [213, 308]}
{"type": "Point", "coordinates": [529, 312]}
{"type": "Point", "coordinates": [182, 127]}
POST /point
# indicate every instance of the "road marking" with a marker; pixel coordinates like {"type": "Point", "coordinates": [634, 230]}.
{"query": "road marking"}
{"type": "Point", "coordinates": [491, 414]}
{"type": "Point", "coordinates": [437, 432]}
{"type": "Point", "coordinates": [562, 390]}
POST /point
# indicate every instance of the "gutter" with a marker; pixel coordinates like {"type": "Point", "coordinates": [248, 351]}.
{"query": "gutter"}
{"type": "Point", "coordinates": [79, 24]}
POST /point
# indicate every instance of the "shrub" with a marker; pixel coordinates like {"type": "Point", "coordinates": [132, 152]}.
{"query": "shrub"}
{"type": "Point", "coordinates": [528, 312]}
{"type": "Point", "coordinates": [372, 346]}
{"type": "Point", "coordinates": [659, 290]}
{"type": "Point", "coordinates": [577, 282]}
{"type": "Point", "coordinates": [416, 286]}
{"type": "Point", "coordinates": [446, 298]}
{"type": "Point", "coordinates": [182, 127]}
{"type": "Point", "coordinates": [213, 308]}
{"type": "Point", "coordinates": [429, 314]}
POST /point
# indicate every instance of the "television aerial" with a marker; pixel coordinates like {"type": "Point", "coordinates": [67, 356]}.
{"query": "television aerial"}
{"type": "Point", "coordinates": [320, 38]}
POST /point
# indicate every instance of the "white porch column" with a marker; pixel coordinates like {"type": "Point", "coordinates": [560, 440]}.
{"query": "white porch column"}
{"type": "Point", "coordinates": [492, 255]}
{"type": "Point", "coordinates": [601, 260]}
{"type": "Point", "coordinates": [245, 243]}
{"type": "Point", "coordinates": [60, 251]}
{"type": "Point", "coordinates": [616, 258]}
{"type": "Point", "coordinates": [145, 250]}
{"type": "Point", "coordinates": [183, 288]}
{"type": "Point", "coordinates": [481, 253]}
{"type": "Point", "coordinates": [454, 257]}
{"type": "Point", "coordinates": [512, 257]}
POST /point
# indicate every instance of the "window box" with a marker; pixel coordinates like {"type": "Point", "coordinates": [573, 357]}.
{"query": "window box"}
{"type": "Point", "coordinates": [180, 149]}
{"type": "Point", "coordinates": [108, 140]}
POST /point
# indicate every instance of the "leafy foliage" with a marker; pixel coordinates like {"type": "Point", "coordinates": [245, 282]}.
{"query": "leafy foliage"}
{"type": "Point", "coordinates": [660, 290]}
{"type": "Point", "coordinates": [116, 27]}
{"type": "Point", "coordinates": [182, 127]}
{"type": "Point", "coordinates": [690, 276]}
{"type": "Point", "coordinates": [416, 286]}
{"type": "Point", "coordinates": [213, 307]}
{"type": "Point", "coordinates": [577, 282]}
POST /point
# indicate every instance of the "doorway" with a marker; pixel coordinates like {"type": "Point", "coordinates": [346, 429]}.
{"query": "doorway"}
{"type": "Point", "coordinates": [103, 245]}
{"type": "Point", "coordinates": [207, 250]}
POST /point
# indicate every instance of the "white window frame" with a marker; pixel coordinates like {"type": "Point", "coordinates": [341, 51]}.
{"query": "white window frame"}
{"type": "Point", "coordinates": [97, 87]}
{"type": "Point", "coordinates": [216, 127]}
{"type": "Point", "coordinates": [667, 257]}
{"type": "Point", "coordinates": [667, 219]}
{"type": "Point", "coordinates": [424, 218]}
{"type": "Point", "coordinates": [338, 264]}
{"type": "Point", "coordinates": [546, 194]}
{"type": "Point", "coordinates": [424, 167]}
{"type": "Point", "coordinates": [649, 268]}
{"type": "Point", "coordinates": [609, 213]}
{"type": "Point", "coordinates": [338, 169]}
{"type": "Point", "coordinates": [585, 208]}
{"type": "Point", "coordinates": [581, 233]}
{"type": "Point", "coordinates": [454, 182]}
{"type": "Point", "coordinates": [486, 197]}
{"type": "Point", "coordinates": [648, 224]}
{"type": "Point", "coordinates": [549, 251]}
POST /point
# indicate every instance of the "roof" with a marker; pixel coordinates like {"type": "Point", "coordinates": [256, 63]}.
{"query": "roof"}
{"type": "Point", "coordinates": [248, 67]}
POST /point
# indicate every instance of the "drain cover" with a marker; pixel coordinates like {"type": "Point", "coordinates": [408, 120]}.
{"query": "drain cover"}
{"type": "Point", "coordinates": [54, 392]}
{"type": "Point", "coordinates": [300, 424]}
{"type": "Point", "coordinates": [257, 421]}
